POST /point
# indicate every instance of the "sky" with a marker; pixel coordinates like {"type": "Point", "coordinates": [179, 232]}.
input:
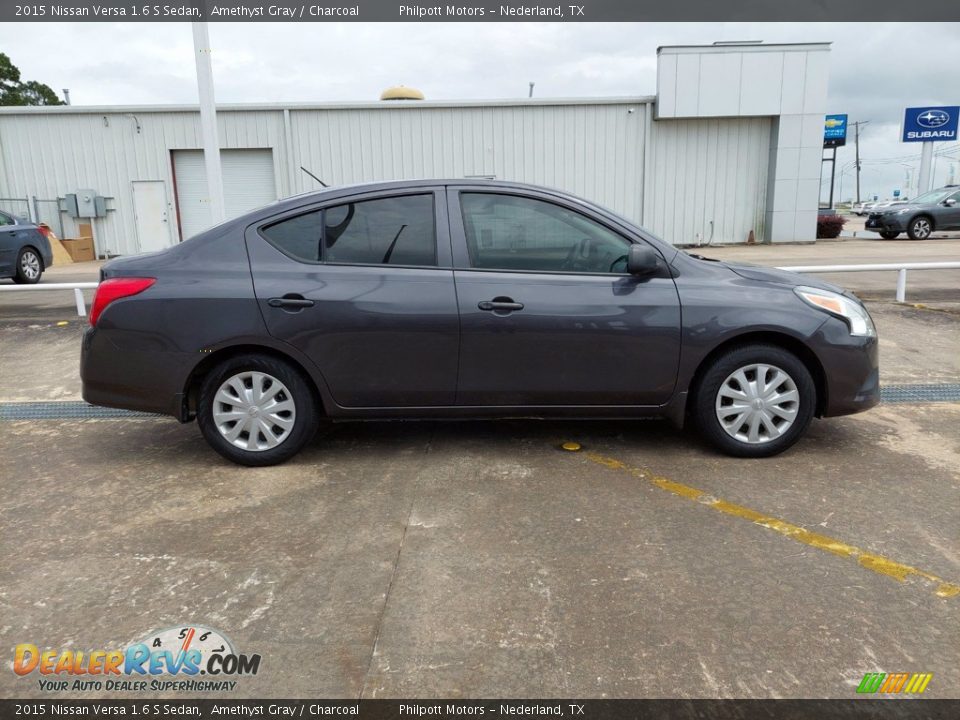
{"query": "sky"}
{"type": "Point", "coordinates": [877, 69]}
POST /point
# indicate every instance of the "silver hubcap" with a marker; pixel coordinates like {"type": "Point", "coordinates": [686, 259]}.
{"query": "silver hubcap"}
{"type": "Point", "coordinates": [254, 411]}
{"type": "Point", "coordinates": [757, 403]}
{"type": "Point", "coordinates": [30, 265]}
{"type": "Point", "coordinates": [921, 228]}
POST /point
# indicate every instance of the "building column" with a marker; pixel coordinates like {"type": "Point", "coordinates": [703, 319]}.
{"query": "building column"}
{"type": "Point", "coordinates": [793, 179]}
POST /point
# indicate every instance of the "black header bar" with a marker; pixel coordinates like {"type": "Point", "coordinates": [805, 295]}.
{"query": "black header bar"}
{"type": "Point", "coordinates": [478, 11]}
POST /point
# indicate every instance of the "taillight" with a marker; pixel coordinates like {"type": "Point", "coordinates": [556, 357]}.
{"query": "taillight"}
{"type": "Point", "coordinates": [45, 230]}
{"type": "Point", "coordinates": [114, 289]}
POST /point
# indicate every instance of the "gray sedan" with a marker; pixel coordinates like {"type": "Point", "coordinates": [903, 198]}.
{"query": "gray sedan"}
{"type": "Point", "coordinates": [24, 250]}
{"type": "Point", "coordinates": [467, 299]}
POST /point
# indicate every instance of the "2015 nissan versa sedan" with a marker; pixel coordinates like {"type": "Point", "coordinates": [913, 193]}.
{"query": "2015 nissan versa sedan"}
{"type": "Point", "coordinates": [427, 299]}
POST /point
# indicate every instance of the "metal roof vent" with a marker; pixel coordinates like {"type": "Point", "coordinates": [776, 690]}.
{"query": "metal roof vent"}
{"type": "Point", "coordinates": [401, 92]}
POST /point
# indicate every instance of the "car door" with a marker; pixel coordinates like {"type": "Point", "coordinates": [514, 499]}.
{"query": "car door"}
{"type": "Point", "coordinates": [949, 215]}
{"type": "Point", "coordinates": [548, 314]}
{"type": "Point", "coordinates": [362, 287]}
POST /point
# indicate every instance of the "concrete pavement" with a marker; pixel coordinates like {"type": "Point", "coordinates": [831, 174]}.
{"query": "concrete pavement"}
{"type": "Point", "coordinates": [479, 560]}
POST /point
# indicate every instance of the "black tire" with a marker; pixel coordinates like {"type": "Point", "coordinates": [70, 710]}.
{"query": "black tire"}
{"type": "Point", "coordinates": [920, 228]}
{"type": "Point", "coordinates": [704, 405]}
{"type": "Point", "coordinates": [888, 234]}
{"type": "Point", "coordinates": [22, 277]}
{"type": "Point", "coordinates": [305, 416]}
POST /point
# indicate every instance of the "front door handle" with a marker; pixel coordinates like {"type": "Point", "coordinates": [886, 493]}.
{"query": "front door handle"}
{"type": "Point", "coordinates": [290, 301]}
{"type": "Point", "coordinates": [500, 305]}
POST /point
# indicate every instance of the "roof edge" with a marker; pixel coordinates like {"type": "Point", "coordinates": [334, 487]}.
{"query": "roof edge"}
{"type": "Point", "coordinates": [279, 107]}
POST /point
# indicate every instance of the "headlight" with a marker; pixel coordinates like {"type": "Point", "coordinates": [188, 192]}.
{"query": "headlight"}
{"type": "Point", "coordinates": [852, 312]}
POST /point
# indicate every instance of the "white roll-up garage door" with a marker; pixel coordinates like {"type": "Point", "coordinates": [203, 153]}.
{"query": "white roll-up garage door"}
{"type": "Point", "coordinates": [248, 183]}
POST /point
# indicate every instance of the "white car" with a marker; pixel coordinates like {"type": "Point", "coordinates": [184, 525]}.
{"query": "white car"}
{"type": "Point", "coordinates": [887, 204]}
{"type": "Point", "coordinates": [863, 208]}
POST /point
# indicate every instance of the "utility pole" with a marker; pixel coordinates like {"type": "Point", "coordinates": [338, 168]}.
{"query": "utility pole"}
{"type": "Point", "coordinates": [208, 122]}
{"type": "Point", "coordinates": [856, 143]}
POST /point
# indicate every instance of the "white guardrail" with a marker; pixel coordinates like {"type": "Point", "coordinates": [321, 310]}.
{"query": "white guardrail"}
{"type": "Point", "coordinates": [901, 269]}
{"type": "Point", "coordinates": [77, 288]}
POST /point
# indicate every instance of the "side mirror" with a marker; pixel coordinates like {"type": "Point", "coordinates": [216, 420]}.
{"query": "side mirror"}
{"type": "Point", "coordinates": [642, 259]}
{"type": "Point", "coordinates": [949, 202]}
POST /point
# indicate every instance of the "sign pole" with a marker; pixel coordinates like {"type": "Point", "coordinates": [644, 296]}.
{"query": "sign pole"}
{"type": "Point", "coordinates": [926, 160]}
{"type": "Point", "coordinates": [833, 174]}
{"type": "Point", "coordinates": [208, 122]}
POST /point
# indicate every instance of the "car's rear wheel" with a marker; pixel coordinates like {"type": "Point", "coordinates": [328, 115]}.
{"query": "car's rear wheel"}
{"type": "Point", "coordinates": [29, 267]}
{"type": "Point", "coordinates": [754, 401]}
{"type": "Point", "coordinates": [920, 228]}
{"type": "Point", "coordinates": [888, 234]}
{"type": "Point", "coordinates": [256, 410]}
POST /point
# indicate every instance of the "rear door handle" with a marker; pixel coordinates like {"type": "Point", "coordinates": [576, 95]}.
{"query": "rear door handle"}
{"type": "Point", "coordinates": [500, 304]}
{"type": "Point", "coordinates": [290, 301]}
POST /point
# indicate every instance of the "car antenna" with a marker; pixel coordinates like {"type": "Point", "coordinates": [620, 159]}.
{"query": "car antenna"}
{"type": "Point", "coordinates": [313, 176]}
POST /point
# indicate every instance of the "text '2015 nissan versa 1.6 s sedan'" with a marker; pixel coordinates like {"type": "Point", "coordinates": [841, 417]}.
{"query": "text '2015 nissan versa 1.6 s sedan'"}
{"type": "Point", "coordinates": [429, 299]}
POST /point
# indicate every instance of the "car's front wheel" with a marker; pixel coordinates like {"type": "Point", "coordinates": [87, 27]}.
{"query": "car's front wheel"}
{"type": "Point", "coordinates": [256, 410]}
{"type": "Point", "coordinates": [754, 401]}
{"type": "Point", "coordinates": [888, 234]}
{"type": "Point", "coordinates": [920, 228]}
{"type": "Point", "coordinates": [29, 267]}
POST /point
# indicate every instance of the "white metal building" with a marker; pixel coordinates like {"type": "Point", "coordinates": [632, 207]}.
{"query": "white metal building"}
{"type": "Point", "coordinates": [730, 144]}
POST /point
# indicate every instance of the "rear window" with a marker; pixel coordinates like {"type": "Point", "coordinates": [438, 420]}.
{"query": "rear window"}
{"type": "Point", "coordinates": [299, 237]}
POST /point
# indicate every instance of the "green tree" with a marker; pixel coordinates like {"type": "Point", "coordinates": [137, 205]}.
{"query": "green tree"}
{"type": "Point", "coordinates": [14, 91]}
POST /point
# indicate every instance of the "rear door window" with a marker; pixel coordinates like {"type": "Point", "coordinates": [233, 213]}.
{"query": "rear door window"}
{"type": "Point", "coordinates": [384, 231]}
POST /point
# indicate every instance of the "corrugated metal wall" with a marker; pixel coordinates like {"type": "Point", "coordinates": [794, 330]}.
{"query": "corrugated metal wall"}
{"type": "Point", "coordinates": [592, 150]}
{"type": "Point", "coordinates": [708, 171]}
{"type": "Point", "coordinates": [50, 155]}
{"type": "Point", "coordinates": [700, 170]}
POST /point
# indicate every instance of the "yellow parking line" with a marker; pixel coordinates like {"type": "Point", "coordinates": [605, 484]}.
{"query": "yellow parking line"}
{"type": "Point", "coordinates": [870, 561]}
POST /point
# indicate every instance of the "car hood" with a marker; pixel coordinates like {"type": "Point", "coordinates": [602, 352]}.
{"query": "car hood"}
{"type": "Point", "coordinates": [898, 208]}
{"type": "Point", "coordinates": [781, 277]}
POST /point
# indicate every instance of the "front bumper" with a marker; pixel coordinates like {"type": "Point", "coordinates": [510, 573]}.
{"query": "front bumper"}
{"type": "Point", "coordinates": [885, 223]}
{"type": "Point", "coordinates": [851, 368]}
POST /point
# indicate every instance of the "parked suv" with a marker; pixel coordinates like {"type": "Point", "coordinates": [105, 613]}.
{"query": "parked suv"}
{"type": "Point", "coordinates": [466, 299]}
{"type": "Point", "coordinates": [936, 210]}
{"type": "Point", "coordinates": [24, 250]}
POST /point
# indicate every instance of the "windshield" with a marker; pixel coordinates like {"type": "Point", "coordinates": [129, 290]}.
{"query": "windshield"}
{"type": "Point", "coordinates": [932, 197]}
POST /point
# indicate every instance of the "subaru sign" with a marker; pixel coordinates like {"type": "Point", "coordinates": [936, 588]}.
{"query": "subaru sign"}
{"type": "Point", "coordinates": [835, 131]}
{"type": "Point", "coordinates": [926, 124]}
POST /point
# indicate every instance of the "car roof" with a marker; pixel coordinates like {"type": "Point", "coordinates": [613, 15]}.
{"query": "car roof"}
{"type": "Point", "coordinates": [335, 191]}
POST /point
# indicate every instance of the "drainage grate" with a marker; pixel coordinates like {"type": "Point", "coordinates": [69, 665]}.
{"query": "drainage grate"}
{"type": "Point", "coordinates": [64, 411]}
{"type": "Point", "coordinates": [940, 392]}
{"type": "Point", "coordinates": [932, 393]}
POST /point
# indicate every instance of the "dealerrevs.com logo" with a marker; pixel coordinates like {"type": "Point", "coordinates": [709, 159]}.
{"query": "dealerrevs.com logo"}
{"type": "Point", "coordinates": [894, 683]}
{"type": "Point", "coordinates": [189, 658]}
